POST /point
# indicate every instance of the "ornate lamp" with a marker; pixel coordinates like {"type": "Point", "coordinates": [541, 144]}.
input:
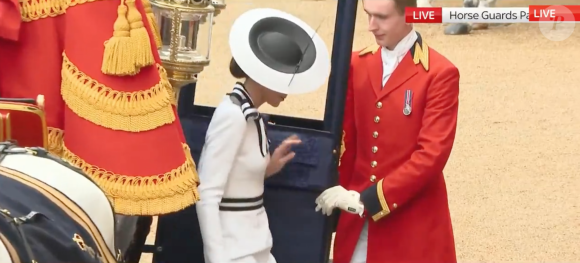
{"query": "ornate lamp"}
{"type": "Point", "coordinates": [219, 6]}
{"type": "Point", "coordinates": [185, 28]}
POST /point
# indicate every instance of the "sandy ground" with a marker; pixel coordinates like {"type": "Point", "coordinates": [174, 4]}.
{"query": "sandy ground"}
{"type": "Point", "coordinates": [513, 177]}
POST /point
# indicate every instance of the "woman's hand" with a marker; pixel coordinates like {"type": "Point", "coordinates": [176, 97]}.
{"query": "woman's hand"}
{"type": "Point", "coordinates": [282, 155]}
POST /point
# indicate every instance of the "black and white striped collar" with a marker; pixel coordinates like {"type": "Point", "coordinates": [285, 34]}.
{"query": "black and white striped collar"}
{"type": "Point", "coordinates": [239, 93]}
{"type": "Point", "coordinates": [251, 113]}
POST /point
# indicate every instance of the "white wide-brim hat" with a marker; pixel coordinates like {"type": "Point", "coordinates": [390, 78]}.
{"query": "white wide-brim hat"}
{"type": "Point", "coordinates": [279, 51]}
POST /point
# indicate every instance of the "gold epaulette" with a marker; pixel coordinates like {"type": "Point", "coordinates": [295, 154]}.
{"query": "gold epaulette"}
{"type": "Point", "coordinates": [421, 54]}
{"type": "Point", "coordinates": [370, 49]}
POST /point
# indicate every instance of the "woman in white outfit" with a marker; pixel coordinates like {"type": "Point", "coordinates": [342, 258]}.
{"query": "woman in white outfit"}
{"type": "Point", "coordinates": [276, 54]}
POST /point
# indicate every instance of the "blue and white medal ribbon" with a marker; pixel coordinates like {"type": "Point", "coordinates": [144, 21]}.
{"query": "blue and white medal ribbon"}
{"type": "Point", "coordinates": [407, 109]}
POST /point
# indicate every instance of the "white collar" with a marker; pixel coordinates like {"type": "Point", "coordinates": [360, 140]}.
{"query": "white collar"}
{"type": "Point", "coordinates": [402, 47]}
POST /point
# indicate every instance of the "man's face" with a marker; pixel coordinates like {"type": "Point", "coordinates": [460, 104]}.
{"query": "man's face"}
{"type": "Point", "coordinates": [385, 22]}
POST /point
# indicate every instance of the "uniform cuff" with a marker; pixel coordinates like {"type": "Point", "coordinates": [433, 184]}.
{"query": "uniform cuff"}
{"type": "Point", "coordinates": [375, 202]}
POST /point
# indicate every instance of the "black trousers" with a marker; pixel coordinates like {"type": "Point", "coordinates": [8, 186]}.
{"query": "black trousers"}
{"type": "Point", "coordinates": [131, 235]}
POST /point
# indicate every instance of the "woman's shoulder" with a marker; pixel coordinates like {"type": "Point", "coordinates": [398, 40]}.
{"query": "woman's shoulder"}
{"type": "Point", "coordinates": [228, 111]}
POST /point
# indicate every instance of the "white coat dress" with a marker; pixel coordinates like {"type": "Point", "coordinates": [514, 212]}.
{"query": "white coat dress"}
{"type": "Point", "coordinates": [233, 222]}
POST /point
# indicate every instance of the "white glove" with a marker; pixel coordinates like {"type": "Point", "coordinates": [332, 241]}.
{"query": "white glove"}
{"type": "Point", "coordinates": [338, 197]}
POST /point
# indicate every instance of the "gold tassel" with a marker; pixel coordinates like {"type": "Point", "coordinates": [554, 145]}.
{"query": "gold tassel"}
{"type": "Point", "coordinates": [152, 23]}
{"type": "Point", "coordinates": [141, 45]}
{"type": "Point", "coordinates": [116, 60]}
{"type": "Point", "coordinates": [55, 137]}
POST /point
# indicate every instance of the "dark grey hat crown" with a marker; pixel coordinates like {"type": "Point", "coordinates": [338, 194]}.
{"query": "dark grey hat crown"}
{"type": "Point", "coordinates": [282, 45]}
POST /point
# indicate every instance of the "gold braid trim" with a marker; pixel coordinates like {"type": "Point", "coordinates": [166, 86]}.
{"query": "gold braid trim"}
{"type": "Point", "coordinates": [55, 137]}
{"type": "Point", "coordinates": [146, 195]}
{"type": "Point", "coordinates": [72, 3]}
{"type": "Point", "coordinates": [167, 84]}
{"type": "Point", "coordinates": [127, 111]}
{"type": "Point", "coordinates": [383, 201]}
{"type": "Point", "coordinates": [31, 10]}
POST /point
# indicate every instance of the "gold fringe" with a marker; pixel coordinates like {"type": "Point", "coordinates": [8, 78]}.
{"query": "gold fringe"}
{"type": "Point", "coordinates": [127, 111]}
{"type": "Point", "coordinates": [152, 23]}
{"type": "Point", "coordinates": [128, 50]}
{"type": "Point", "coordinates": [150, 195]}
{"type": "Point", "coordinates": [117, 59]}
{"type": "Point", "coordinates": [167, 84]}
{"type": "Point", "coordinates": [31, 10]}
{"type": "Point", "coordinates": [55, 139]}
{"type": "Point", "coordinates": [141, 52]}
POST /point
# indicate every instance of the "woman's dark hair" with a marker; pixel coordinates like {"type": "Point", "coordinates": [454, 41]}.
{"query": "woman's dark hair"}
{"type": "Point", "coordinates": [236, 71]}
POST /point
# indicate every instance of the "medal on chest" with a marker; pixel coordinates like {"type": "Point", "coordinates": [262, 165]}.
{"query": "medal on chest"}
{"type": "Point", "coordinates": [408, 107]}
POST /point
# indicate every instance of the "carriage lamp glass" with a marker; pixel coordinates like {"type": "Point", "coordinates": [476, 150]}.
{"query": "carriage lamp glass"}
{"type": "Point", "coordinates": [185, 28]}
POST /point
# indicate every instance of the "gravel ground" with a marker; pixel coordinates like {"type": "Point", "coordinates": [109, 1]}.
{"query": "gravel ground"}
{"type": "Point", "coordinates": [514, 168]}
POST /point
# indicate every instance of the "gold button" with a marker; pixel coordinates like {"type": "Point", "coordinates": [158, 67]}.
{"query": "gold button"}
{"type": "Point", "coordinates": [377, 119]}
{"type": "Point", "coordinates": [375, 134]}
{"type": "Point", "coordinates": [379, 105]}
{"type": "Point", "coordinates": [373, 178]}
{"type": "Point", "coordinates": [394, 205]}
{"type": "Point", "coordinates": [375, 149]}
{"type": "Point", "coordinates": [374, 164]}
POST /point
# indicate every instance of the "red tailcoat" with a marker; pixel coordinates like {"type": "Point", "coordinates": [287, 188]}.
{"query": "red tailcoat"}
{"type": "Point", "coordinates": [395, 157]}
{"type": "Point", "coordinates": [107, 102]}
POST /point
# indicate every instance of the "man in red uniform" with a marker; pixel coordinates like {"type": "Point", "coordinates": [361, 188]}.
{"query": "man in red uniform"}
{"type": "Point", "coordinates": [399, 127]}
{"type": "Point", "coordinates": [107, 99]}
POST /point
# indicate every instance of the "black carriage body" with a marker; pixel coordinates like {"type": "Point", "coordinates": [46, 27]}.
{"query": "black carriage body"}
{"type": "Point", "coordinates": [300, 234]}
{"type": "Point", "coordinates": [37, 223]}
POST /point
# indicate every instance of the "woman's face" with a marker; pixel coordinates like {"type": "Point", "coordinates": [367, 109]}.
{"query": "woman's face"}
{"type": "Point", "coordinates": [273, 98]}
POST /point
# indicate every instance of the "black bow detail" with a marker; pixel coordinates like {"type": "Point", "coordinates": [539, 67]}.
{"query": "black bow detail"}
{"type": "Point", "coordinates": [251, 113]}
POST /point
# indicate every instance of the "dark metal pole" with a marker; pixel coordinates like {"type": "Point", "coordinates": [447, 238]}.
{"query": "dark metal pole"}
{"type": "Point", "coordinates": [186, 100]}
{"type": "Point", "coordinates": [337, 84]}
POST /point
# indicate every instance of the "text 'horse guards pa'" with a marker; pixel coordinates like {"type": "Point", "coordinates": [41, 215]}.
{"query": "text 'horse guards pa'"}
{"type": "Point", "coordinates": [463, 28]}
{"type": "Point", "coordinates": [49, 210]}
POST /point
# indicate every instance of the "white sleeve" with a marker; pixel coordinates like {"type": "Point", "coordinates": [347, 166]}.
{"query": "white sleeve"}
{"type": "Point", "coordinates": [222, 141]}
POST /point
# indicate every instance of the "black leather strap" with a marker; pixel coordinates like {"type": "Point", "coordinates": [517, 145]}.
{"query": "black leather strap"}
{"type": "Point", "coordinates": [28, 101]}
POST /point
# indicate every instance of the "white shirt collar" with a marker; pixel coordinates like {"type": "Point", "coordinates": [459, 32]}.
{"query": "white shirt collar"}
{"type": "Point", "coordinates": [402, 47]}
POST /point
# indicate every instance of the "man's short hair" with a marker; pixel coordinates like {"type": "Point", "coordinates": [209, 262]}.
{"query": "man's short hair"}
{"type": "Point", "coordinates": [402, 4]}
